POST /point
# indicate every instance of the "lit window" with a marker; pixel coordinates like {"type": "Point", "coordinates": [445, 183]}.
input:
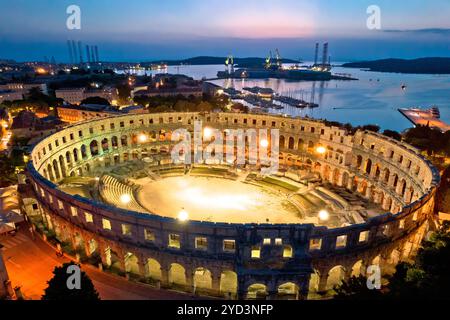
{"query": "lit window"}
{"type": "Point", "coordinates": [363, 236]}
{"type": "Point", "coordinates": [201, 243]}
{"type": "Point", "coordinates": [60, 205]}
{"type": "Point", "coordinates": [149, 236]}
{"type": "Point", "coordinates": [278, 241]}
{"type": "Point", "coordinates": [174, 240]}
{"type": "Point", "coordinates": [106, 224]}
{"type": "Point", "coordinates": [126, 229]}
{"type": "Point", "coordinates": [73, 210]}
{"type": "Point", "coordinates": [415, 216]}
{"type": "Point", "coordinates": [287, 252]}
{"type": "Point", "coordinates": [266, 241]}
{"type": "Point", "coordinates": [401, 224]}
{"type": "Point", "coordinates": [229, 245]}
{"type": "Point", "coordinates": [341, 241]}
{"type": "Point", "coordinates": [315, 244]}
{"type": "Point", "coordinates": [256, 252]}
{"type": "Point", "coordinates": [89, 218]}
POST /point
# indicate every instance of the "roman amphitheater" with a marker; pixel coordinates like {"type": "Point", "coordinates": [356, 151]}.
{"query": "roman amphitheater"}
{"type": "Point", "coordinates": [338, 203]}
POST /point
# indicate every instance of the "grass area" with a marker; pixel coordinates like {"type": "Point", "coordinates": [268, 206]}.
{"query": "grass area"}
{"type": "Point", "coordinates": [279, 183]}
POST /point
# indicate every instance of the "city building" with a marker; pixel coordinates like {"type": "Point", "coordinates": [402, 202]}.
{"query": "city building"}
{"type": "Point", "coordinates": [362, 199]}
{"type": "Point", "coordinates": [27, 125]}
{"type": "Point", "coordinates": [74, 113]}
{"type": "Point", "coordinates": [16, 91]}
{"type": "Point", "coordinates": [77, 95]}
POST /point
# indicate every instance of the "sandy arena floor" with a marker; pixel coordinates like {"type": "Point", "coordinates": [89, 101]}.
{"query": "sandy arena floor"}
{"type": "Point", "coordinates": [215, 199]}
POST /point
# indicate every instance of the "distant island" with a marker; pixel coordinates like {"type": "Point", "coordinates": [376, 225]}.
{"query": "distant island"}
{"type": "Point", "coordinates": [421, 65]}
{"type": "Point", "coordinates": [205, 60]}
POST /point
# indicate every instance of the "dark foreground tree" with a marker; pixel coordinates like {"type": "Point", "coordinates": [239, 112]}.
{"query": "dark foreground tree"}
{"type": "Point", "coordinates": [427, 278]}
{"type": "Point", "coordinates": [60, 287]}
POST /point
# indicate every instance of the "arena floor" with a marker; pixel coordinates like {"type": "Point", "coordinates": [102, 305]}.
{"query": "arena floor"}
{"type": "Point", "coordinates": [216, 200]}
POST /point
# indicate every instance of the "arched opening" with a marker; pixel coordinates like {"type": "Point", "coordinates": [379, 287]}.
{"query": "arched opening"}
{"type": "Point", "coordinates": [368, 167]}
{"type": "Point", "coordinates": [153, 269]}
{"type": "Point", "coordinates": [335, 178]}
{"type": "Point", "coordinates": [202, 279]}
{"type": "Point", "coordinates": [177, 274]}
{"type": "Point", "coordinates": [300, 144]}
{"type": "Point", "coordinates": [387, 174]}
{"type": "Point", "coordinates": [131, 263]}
{"type": "Point", "coordinates": [112, 259]}
{"type": "Point", "coordinates": [94, 147]}
{"type": "Point", "coordinates": [288, 290]}
{"type": "Point", "coordinates": [56, 170]}
{"type": "Point", "coordinates": [105, 145]}
{"type": "Point", "coordinates": [357, 269]}
{"type": "Point", "coordinates": [257, 291]}
{"type": "Point", "coordinates": [62, 166]}
{"type": "Point", "coordinates": [83, 151]}
{"type": "Point", "coordinates": [75, 155]}
{"type": "Point", "coordinates": [345, 178]}
{"type": "Point", "coordinates": [358, 161]}
{"type": "Point", "coordinates": [395, 183]}
{"type": "Point", "coordinates": [124, 141]}
{"type": "Point", "coordinates": [282, 142]}
{"type": "Point", "coordinates": [114, 142]}
{"type": "Point", "coordinates": [68, 158]}
{"type": "Point", "coordinates": [228, 283]}
{"type": "Point", "coordinates": [291, 143]}
{"type": "Point", "coordinates": [314, 282]}
{"type": "Point", "coordinates": [335, 277]}
{"type": "Point", "coordinates": [50, 172]}
{"type": "Point", "coordinates": [92, 246]}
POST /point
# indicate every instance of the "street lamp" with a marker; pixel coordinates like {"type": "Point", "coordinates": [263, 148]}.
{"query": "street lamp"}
{"type": "Point", "coordinates": [264, 143]}
{"type": "Point", "coordinates": [324, 215]}
{"type": "Point", "coordinates": [125, 198]}
{"type": "Point", "coordinates": [183, 215]}
{"type": "Point", "coordinates": [142, 137]}
{"type": "Point", "coordinates": [321, 150]}
{"type": "Point", "coordinates": [207, 133]}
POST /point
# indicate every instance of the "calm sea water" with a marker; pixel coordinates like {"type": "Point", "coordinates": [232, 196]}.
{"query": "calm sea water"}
{"type": "Point", "coordinates": [373, 99]}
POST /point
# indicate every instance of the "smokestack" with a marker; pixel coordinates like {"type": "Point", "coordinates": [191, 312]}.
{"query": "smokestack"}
{"type": "Point", "coordinates": [69, 46]}
{"type": "Point", "coordinates": [74, 51]}
{"type": "Point", "coordinates": [93, 55]}
{"type": "Point", "coordinates": [325, 53]}
{"type": "Point", "coordinates": [96, 54]}
{"type": "Point", "coordinates": [80, 51]}
{"type": "Point", "coordinates": [316, 55]}
{"type": "Point", "coordinates": [88, 54]}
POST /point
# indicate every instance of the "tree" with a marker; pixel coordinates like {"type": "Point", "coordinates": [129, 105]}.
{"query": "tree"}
{"type": "Point", "coordinates": [96, 100]}
{"type": "Point", "coordinates": [58, 286]}
{"type": "Point", "coordinates": [356, 288]}
{"type": "Point", "coordinates": [7, 172]}
{"type": "Point", "coordinates": [392, 134]}
{"type": "Point", "coordinates": [427, 278]}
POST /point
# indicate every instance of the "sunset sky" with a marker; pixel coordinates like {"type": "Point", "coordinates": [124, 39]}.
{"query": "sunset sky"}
{"type": "Point", "coordinates": [145, 29]}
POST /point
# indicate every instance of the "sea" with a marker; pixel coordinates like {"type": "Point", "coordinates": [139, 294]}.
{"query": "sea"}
{"type": "Point", "coordinates": [372, 99]}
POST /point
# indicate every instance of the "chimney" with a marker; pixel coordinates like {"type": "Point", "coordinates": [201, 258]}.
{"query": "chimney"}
{"type": "Point", "coordinates": [316, 55]}
{"type": "Point", "coordinates": [80, 51]}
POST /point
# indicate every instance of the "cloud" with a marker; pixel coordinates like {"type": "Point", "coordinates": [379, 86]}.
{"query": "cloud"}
{"type": "Point", "coordinates": [441, 31]}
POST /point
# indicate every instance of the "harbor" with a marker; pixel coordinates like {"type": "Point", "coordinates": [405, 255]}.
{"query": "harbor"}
{"type": "Point", "coordinates": [266, 98]}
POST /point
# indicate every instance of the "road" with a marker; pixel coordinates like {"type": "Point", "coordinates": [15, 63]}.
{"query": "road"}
{"type": "Point", "coordinates": [30, 264]}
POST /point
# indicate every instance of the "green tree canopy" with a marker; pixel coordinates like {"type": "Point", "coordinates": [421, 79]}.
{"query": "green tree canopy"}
{"type": "Point", "coordinates": [96, 100]}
